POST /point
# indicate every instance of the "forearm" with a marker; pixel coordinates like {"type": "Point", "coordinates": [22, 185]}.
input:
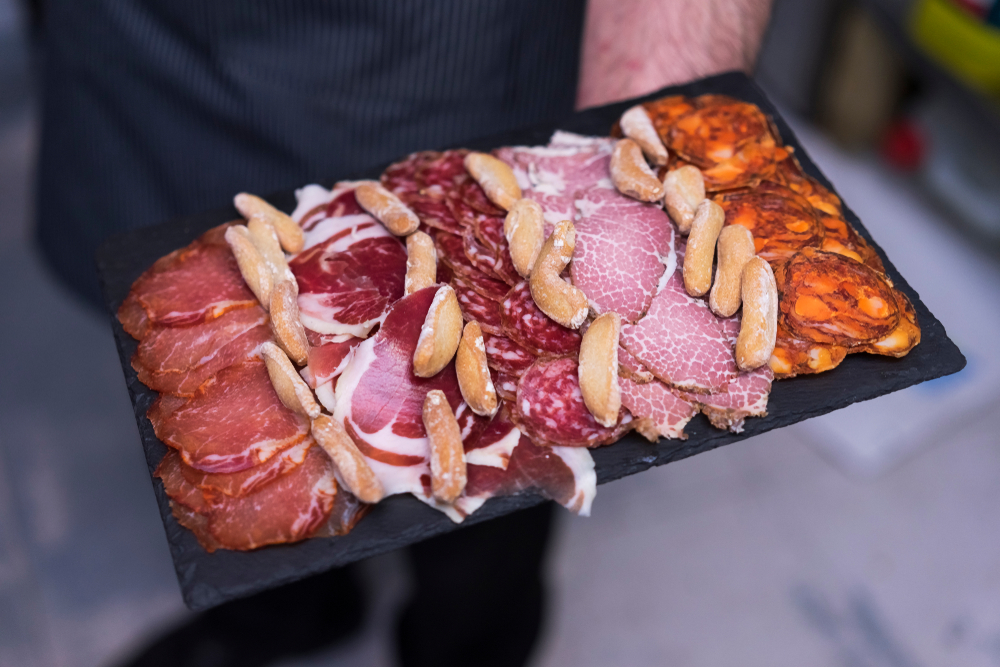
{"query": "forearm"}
{"type": "Point", "coordinates": [631, 47]}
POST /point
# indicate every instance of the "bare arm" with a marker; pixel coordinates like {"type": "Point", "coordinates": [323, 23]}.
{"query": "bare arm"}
{"type": "Point", "coordinates": [631, 47]}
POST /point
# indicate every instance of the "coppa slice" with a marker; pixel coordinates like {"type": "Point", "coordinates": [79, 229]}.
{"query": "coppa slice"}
{"type": "Point", "coordinates": [623, 250]}
{"type": "Point", "coordinates": [525, 324]}
{"type": "Point", "coordinates": [214, 484]}
{"type": "Point", "coordinates": [351, 270]}
{"type": "Point", "coordinates": [233, 422]}
{"type": "Point", "coordinates": [659, 411]}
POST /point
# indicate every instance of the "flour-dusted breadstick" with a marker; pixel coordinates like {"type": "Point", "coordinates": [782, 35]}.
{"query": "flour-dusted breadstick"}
{"type": "Point", "coordinates": [708, 222]}
{"type": "Point", "coordinates": [555, 297]}
{"type": "Point", "coordinates": [440, 334]}
{"type": "Point", "coordinates": [254, 269]}
{"type": "Point", "coordinates": [447, 455]}
{"type": "Point", "coordinates": [683, 190]}
{"type": "Point", "coordinates": [759, 325]}
{"type": "Point", "coordinates": [386, 208]}
{"type": "Point", "coordinates": [637, 126]}
{"type": "Point", "coordinates": [733, 251]}
{"type": "Point", "coordinates": [288, 384]}
{"type": "Point", "coordinates": [524, 228]}
{"type": "Point", "coordinates": [289, 233]}
{"type": "Point", "coordinates": [631, 175]}
{"type": "Point", "coordinates": [599, 369]}
{"type": "Point", "coordinates": [353, 470]}
{"type": "Point", "coordinates": [496, 178]}
{"type": "Point", "coordinates": [474, 374]}
{"type": "Point", "coordinates": [265, 239]}
{"type": "Point", "coordinates": [285, 322]}
{"type": "Point", "coordinates": [421, 262]}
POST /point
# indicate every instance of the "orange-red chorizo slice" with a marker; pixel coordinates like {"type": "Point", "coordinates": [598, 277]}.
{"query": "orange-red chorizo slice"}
{"type": "Point", "coordinates": [828, 298]}
{"type": "Point", "coordinates": [789, 173]}
{"type": "Point", "coordinates": [840, 237]}
{"type": "Point", "coordinates": [665, 111]}
{"type": "Point", "coordinates": [782, 222]}
{"type": "Point", "coordinates": [793, 356]}
{"type": "Point", "coordinates": [904, 337]}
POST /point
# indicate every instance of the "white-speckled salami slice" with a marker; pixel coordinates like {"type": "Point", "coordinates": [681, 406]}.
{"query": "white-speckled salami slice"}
{"type": "Point", "coordinates": [505, 355]}
{"type": "Point", "coordinates": [476, 307]}
{"type": "Point", "coordinates": [525, 324]}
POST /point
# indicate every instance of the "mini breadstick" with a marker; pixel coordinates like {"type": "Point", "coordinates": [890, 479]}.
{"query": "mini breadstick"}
{"type": "Point", "coordinates": [496, 178]}
{"type": "Point", "coordinates": [352, 468]}
{"type": "Point", "coordinates": [386, 208]}
{"type": "Point", "coordinates": [254, 269]}
{"type": "Point", "coordinates": [733, 251]}
{"type": "Point", "coordinates": [637, 126]}
{"type": "Point", "coordinates": [289, 233]}
{"type": "Point", "coordinates": [708, 221]}
{"type": "Point", "coordinates": [759, 326]}
{"type": "Point", "coordinates": [474, 374]}
{"type": "Point", "coordinates": [439, 335]}
{"type": "Point", "coordinates": [448, 473]}
{"type": "Point", "coordinates": [631, 175]}
{"type": "Point", "coordinates": [524, 228]}
{"type": "Point", "coordinates": [561, 301]}
{"type": "Point", "coordinates": [265, 239]}
{"type": "Point", "coordinates": [599, 369]}
{"type": "Point", "coordinates": [285, 323]}
{"type": "Point", "coordinates": [288, 384]}
{"type": "Point", "coordinates": [421, 262]}
{"type": "Point", "coordinates": [683, 190]}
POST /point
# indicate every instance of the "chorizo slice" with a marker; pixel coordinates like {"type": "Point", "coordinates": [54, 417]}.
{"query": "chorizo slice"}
{"type": "Point", "coordinates": [781, 221]}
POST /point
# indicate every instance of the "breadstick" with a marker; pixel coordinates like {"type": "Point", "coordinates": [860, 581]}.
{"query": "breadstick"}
{"type": "Point", "coordinates": [733, 251]}
{"type": "Point", "coordinates": [637, 126]}
{"type": "Point", "coordinates": [265, 239]}
{"type": "Point", "coordinates": [496, 178]}
{"type": "Point", "coordinates": [631, 175]}
{"type": "Point", "coordinates": [524, 228]}
{"type": "Point", "coordinates": [561, 301]}
{"type": "Point", "coordinates": [448, 473]}
{"type": "Point", "coordinates": [683, 190]}
{"type": "Point", "coordinates": [439, 335]}
{"type": "Point", "coordinates": [759, 327]}
{"type": "Point", "coordinates": [386, 208]}
{"type": "Point", "coordinates": [254, 269]}
{"type": "Point", "coordinates": [421, 262]}
{"type": "Point", "coordinates": [288, 384]}
{"type": "Point", "coordinates": [289, 233]}
{"type": "Point", "coordinates": [285, 323]}
{"type": "Point", "coordinates": [474, 374]}
{"type": "Point", "coordinates": [599, 369]}
{"type": "Point", "coordinates": [352, 468]}
{"type": "Point", "coordinates": [708, 221]}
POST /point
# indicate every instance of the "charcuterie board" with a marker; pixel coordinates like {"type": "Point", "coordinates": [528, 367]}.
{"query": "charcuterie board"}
{"type": "Point", "coordinates": [210, 579]}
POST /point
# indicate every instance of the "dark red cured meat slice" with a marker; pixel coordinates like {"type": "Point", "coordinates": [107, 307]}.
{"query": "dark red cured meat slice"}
{"type": "Point", "coordinates": [433, 212]}
{"type": "Point", "coordinates": [659, 411]}
{"type": "Point", "coordinates": [464, 214]}
{"type": "Point", "coordinates": [532, 329]}
{"type": "Point", "coordinates": [344, 203]}
{"type": "Point", "coordinates": [494, 444]}
{"type": "Point", "coordinates": [401, 177]}
{"type": "Point", "coordinates": [505, 355]}
{"type": "Point", "coordinates": [475, 198]}
{"type": "Point", "coordinates": [490, 288]}
{"type": "Point", "coordinates": [133, 317]}
{"type": "Point", "coordinates": [445, 274]}
{"type": "Point", "coordinates": [505, 266]}
{"type": "Point", "coordinates": [213, 484]}
{"type": "Point", "coordinates": [327, 361]}
{"type": "Point", "coordinates": [233, 422]}
{"type": "Point", "coordinates": [447, 171]}
{"type": "Point", "coordinates": [479, 256]}
{"type": "Point", "coordinates": [489, 231]}
{"type": "Point", "coordinates": [505, 384]}
{"type": "Point", "coordinates": [477, 308]}
{"type": "Point", "coordinates": [550, 408]}
{"type": "Point", "coordinates": [451, 251]}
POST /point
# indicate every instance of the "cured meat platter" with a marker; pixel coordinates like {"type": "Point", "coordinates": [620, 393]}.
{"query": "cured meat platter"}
{"type": "Point", "coordinates": [208, 579]}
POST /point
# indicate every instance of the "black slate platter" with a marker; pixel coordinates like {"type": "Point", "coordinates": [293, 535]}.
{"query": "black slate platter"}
{"type": "Point", "coordinates": [210, 579]}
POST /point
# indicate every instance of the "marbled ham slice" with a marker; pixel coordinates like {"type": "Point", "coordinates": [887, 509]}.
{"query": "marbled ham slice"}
{"type": "Point", "coordinates": [232, 423]}
{"type": "Point", "coordinates": [624, 248]}
{"type": "Point", "coordinates": [178, 360]}
{"type": "Point", "coordinates": [525, 324]}
{"type": "Point", "coordinates": [631, 368]}
{"type": "Point", "coordinates": [506, 356]}
{"type": "Point", "coordinates": [351, 270]}
{"type": "Point", "coordinates": [550, 408]}
{"type": "Point", "coordinates": [658, 410]}
{"type": "Point", "coordinates": [477, 308]}
{"type": "Point", "coordinates": [216, 484]}
{"type": "Point", "coordinates": [494, 445]}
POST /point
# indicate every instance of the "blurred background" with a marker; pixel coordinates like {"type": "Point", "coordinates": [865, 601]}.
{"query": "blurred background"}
{"type": "Point", "coordinates": [866, 538]}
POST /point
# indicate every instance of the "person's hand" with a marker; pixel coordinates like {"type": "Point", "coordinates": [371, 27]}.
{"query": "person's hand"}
{"type": "Point", "coordinates": [632, 47]}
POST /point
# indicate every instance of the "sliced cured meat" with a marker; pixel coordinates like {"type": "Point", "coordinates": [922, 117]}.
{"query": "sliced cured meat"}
{"type": "Point", "coordinates": [525, 324]}
{"type": "Point", "coordinates": [401, 177]}
{"type": "Point", "coordinates": [665, 111]}
{"type": "Point", "coordinates": [288, 509]}
{"type": "Point", "coordinates": [505, 266]}
{"type": "Point", "coordinates": [316, 204]}
{"type": "Point", "coordinates": [446, 171]}
{"type": "Point", "coordinates": [790, 174]}
{"type": "Point", "coordinates": [233, 422]}
{"type": "Point", "coordinates": [505, 384]}
{"type": "Point", "coordinates": [623, 250]}
{"type": "Point", "coordinates": [658, 410]}
{"type": "Point", "coordinates": [631, 368]}
{"type": "Point", "coordinates": [746, 396]}
{"type": "Point", "coordinates": [489, 231]}
{"type": "Point", "coordinates": [494, 445]}
{"type": "Point", "coordinates": [494, 290]}
{"type": "Point", "coordinates": [477, 308]}
{"type": "Point", "coordinates": [473, 195]}
{"type": "Point", "coordinates": [828, 298]}
{"type": "Point", "coordinates": [327, 361]}
{"type": "Point", "coordinates": [215, 484]}
{"type": "Point", "coordinates": [904, 337]}
{"type": "Point", "coordinates": [782, 222]}
{"type": "Point", "coordinates": [480, 256]}
{"type": "Point", "coordinates": [840, 237]}
{"type": "Point", "coordinates": [550, 408]}
{"type": "Point", "coordinates": [434, 212]}
{"type": "Point", "coordinates": [451, 251]}
{"type": "Point", "coordinates": [134, 319]}
{"type": "Point", "coordinates": [350, 272]}
{"type": "Point", "coordinates": [506, 356]}
{"type": "Point", "coordinates": [463, 214]}
{"type": "Point", "coordinates": [793, 356]}
{"type": "Point", "coordinates": [681, 341]}
{"type": "Point", "coordinates": [445, 274]}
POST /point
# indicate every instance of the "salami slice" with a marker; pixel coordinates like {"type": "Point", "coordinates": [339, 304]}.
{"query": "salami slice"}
{"type": "Point", "coordinates": [505, 266]}
{"type": "Point", "coordinates": [447, 171]}
{"type": "Point", "coordinates": [506, 356]}
{"type": "Point", "coordinates": [451, 251]}
{"type": "Point", "coordinates": [434, 212]}
{"type": "Point", "coordinates": [489, 231]}
{"type": "Point", "coordinates": [550, 408]}
{"type": "Point", "coordinates": [482, 257]}
{"type": "Point", "coordinates": [532, 329]}
{"type": "Point", "coordinates": [474, 197]}
{"type": "Point", "coordinates": [477, 308]}
{"type": "Point", "coordinates": [505, 384]}
{"type": "Point", "coordinates": [401, 177]}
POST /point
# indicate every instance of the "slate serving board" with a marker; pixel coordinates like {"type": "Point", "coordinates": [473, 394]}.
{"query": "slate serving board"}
{"type": "Point", "coordinates": [210, 579]}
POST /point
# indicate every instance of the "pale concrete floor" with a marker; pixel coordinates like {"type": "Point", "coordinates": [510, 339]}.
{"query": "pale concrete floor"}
{"type": "Point", "coordinates": [761, 553]}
